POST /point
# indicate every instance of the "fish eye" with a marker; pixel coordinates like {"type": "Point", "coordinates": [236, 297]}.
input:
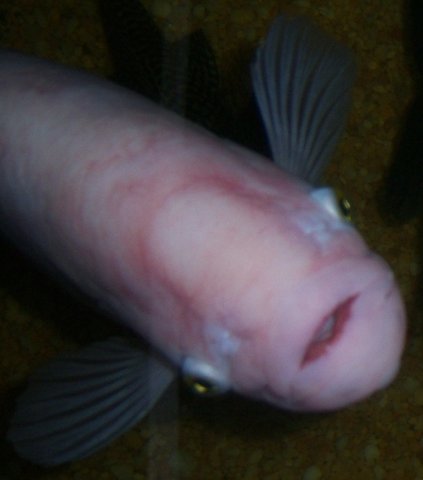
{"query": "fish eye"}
{"type": "Point", "coordinates": [333, 202]}
{"type": "Point", "coordinates": [201, 386]}
{"type": "Point", "coordinates": [345, 207]}
{"type": "Point", "coordinates": [203, 379]}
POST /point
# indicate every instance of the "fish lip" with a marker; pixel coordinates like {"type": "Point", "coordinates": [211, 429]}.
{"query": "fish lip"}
{"type": "Point", "coordinates": [343, 310]}
{"type": "Point", "coordinates": [332, 380]}
{"type": "Point", "coordinates": [322, 339]}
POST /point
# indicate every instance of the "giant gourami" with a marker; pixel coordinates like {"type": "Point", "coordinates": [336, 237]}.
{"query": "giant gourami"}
{"type": "Point", "coordinates": [242, 273]}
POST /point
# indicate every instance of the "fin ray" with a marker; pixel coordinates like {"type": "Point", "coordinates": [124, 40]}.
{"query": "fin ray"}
{"type": "Point", "coordinates": [302, 81]}
{"type": "Point", "coordinates": [64, 417]}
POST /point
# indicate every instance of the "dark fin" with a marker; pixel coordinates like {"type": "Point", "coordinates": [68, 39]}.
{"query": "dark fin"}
{"type": "Point", "coordinates": [190, 81]}
{"type": "Point", "coordinates": [80, 402]}
{"type": "Point", "coordinates": [136, 46]}
{"type": "Point", "coordinates": [302, 81]}
{"type": "Point", "coordinates": [182, 76]}
{"type": "Point", "coordinates": [401, 199]}
{"type": "Point", "coordinates": [414, 36]}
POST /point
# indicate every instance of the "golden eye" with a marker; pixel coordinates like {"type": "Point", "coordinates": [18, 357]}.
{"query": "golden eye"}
{"type": "Point", "coordinates": [203, 378]}
{"type": "Point", "coordinates": [201, 386]}
{"type": "Point", "coordinates": [345, 208]}
{"type": "Point", "coordinates": [333, 202]}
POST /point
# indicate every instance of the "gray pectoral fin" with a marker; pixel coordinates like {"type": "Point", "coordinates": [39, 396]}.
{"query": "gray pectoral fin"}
{"type": "Point", "coordinates": [302, 82]}
{"type": "Point", "coordinates": [80, 402]}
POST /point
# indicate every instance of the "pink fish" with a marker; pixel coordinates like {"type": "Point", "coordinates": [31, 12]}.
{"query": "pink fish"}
{"type": "Point", "coordinates": [239, 271]}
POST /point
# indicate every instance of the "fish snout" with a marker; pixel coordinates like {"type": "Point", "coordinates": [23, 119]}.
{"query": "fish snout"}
{"type": "Point", "coordinates": [344, 340]}
{"type": "Point", "coordinates": [356, 349]}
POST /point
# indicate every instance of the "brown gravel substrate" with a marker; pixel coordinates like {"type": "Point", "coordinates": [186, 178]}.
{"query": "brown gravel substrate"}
{"type": "Point", "coordinates": [191, 438]}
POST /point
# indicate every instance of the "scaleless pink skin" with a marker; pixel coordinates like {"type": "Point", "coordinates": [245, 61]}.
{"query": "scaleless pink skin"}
{"type": "Point", "coordinates": [206, 249]}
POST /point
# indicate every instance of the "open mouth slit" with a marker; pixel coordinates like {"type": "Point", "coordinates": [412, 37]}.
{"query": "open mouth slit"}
{"type": "Point", "coordinates": [328, 332]}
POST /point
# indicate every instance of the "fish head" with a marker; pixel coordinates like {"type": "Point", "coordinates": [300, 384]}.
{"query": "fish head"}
{"type": "Point", "coordinates": [313, 322]}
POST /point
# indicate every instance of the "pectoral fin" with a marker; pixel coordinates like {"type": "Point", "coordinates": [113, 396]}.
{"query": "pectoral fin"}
{"type": "Point", "coordinates": [80, 402]}
{"type": "Point", "coordinates": [302, 82]}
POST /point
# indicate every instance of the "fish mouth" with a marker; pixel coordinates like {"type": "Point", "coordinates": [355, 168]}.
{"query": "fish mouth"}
{"type": "Point", "coordinates": [329, 331]}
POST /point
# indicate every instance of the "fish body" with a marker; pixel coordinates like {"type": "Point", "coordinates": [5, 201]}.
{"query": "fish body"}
{"type": "Point", "coordinates": [241, 273]}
